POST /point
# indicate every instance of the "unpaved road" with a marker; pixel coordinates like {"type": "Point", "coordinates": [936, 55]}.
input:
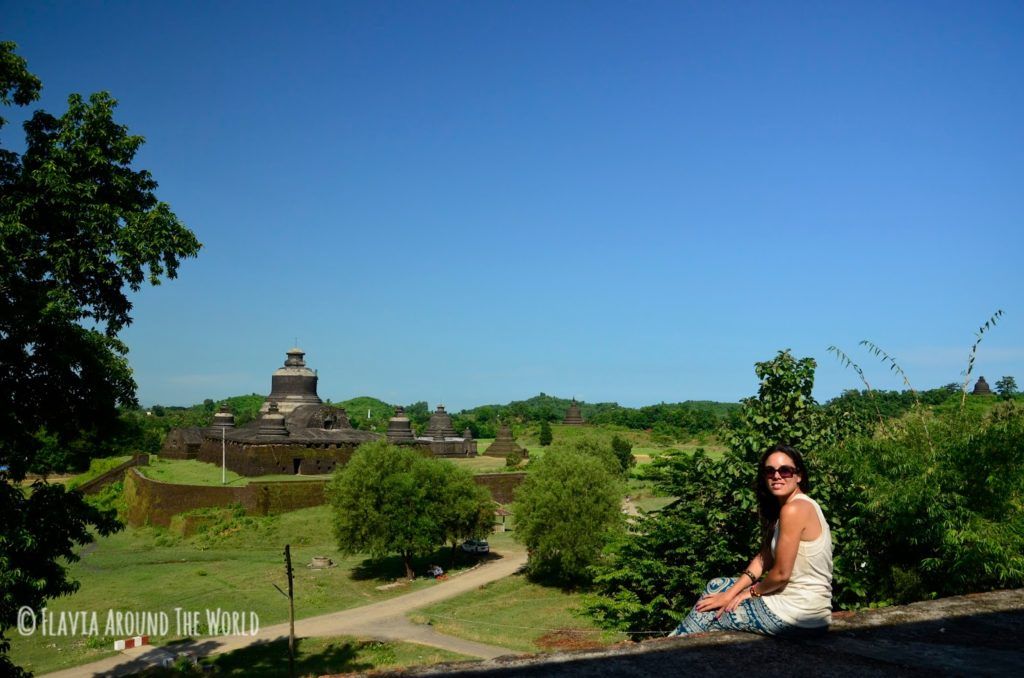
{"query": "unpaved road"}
{"type": "Point", "coordinates": [385, 620]}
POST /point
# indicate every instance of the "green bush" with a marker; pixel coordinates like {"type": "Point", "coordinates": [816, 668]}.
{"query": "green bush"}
{"type": "Point", "coordinates": [566, 512]}
{"type": "Point", "coordinates": [545, 436]}
{"type": "Point", "coordinates": [941, 510]}
{"type": "Point", "coordinates": [623, 450]}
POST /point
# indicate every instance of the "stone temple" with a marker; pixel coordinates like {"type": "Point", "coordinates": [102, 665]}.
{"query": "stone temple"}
{"type": "Point", "coordinates": [504, 444]}
{"type": "Point", "coordinates": [298, 434]}
{"type": "Point", "coordinates": [981, 388]}
{"type": "Point", "coordinates": [573, 416]}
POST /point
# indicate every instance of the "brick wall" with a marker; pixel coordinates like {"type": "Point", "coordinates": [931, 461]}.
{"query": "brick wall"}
{"type": "Point", "coordinates": [501, 485]}
{"type": "Point", "coordinates": [113, 475]}
{"type": "Point", "coordinates": [151, 502]}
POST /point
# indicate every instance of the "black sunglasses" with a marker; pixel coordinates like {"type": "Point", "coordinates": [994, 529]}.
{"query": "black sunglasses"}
{"type": "Point", "coordinates": [783, 471]}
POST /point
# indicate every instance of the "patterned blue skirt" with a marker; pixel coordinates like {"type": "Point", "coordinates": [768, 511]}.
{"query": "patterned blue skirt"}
{"type": "Point", "coordinates": [751, 615]}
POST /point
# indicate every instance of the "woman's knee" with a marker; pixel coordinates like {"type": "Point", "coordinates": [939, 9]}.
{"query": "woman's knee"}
{"type": "Point", "coordinates": [718, 584]}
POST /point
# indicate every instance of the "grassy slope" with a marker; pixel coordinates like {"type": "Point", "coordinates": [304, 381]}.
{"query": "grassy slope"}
{"type": "Point", "coordinates": [513, 613]}
{"type": "Point", "coordinates": [97, 467]}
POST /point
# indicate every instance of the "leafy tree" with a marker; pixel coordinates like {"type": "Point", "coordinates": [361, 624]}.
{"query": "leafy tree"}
{"type": "Point", "coordinates": [623, 450]}
{"type": "Point", "coordinates": [392, 499]}
{"type": "Point", "coordinates": [466, 509]}
{"type": "Point", "coordinates": [79, 229]}
{"type": "Point", "coordinates": [545, 433]}
{"type": "Point", "coordinates": [566, 512]}
{"type": "Point", "coordinates": [1006, 387]}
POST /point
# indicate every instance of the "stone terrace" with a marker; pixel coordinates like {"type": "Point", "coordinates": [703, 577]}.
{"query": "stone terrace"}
{"type": "Point", "coordinates": [979, 634]}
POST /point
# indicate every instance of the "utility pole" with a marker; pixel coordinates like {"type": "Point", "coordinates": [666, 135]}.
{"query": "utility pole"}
{"type": "Point", "coordinates": [223, 458]}
{"type": "Point", "coordinates": [291, 608]}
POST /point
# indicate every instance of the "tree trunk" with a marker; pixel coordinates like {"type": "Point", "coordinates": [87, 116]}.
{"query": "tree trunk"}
{"type": "Point", "coordinates": [407, 559]}
{"type": "Point", "coordinates": [451, 562]}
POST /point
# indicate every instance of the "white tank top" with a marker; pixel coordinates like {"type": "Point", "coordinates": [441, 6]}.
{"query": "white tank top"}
{"type": "Point", "coordinates": [806, 601]}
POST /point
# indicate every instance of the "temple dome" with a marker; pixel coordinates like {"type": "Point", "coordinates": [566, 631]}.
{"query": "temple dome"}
{"type": "Point", "coordinates": [292, 385]}
{"type": "Point", "coordinates": [981, 388]}
{"type": "Point", "coordinates": [224, 418]}
{"type": "Point", "coordinates": [272, 424]}
{"type": "Point", "coordinates": [573, 416]}
{"type": "Point", "coordinates": [440, 425]}
{"type": "Point", "coordinates": [399, 427]}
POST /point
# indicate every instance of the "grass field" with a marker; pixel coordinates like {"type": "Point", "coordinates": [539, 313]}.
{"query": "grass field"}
{"type": "Point", "coordinates": [480, 464]}
{"type": "Point", "coordinates": [149, 569]}
{"type": "Point", "coordinates": [192, 472]}
{"type": "Point", "coordinates": [97, 467]}
{"type": "Point", "coordinates": [519, 615]}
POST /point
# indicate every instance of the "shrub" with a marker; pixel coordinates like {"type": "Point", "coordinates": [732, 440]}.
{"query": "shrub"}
{"type": "Point", "coordinates": [566, 511]}
{"type": "Point", "coordinates": [545, 433]}
{"type": "Point", "coordinates": [623, 450]}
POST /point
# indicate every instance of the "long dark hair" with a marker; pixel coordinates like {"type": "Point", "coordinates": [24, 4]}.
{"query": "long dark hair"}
{"type": "Point", "coordinates": [767, 504]}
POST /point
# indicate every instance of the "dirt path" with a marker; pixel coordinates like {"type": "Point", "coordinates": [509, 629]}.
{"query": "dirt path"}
{"type": "Point", "coordinates": [385, 620]}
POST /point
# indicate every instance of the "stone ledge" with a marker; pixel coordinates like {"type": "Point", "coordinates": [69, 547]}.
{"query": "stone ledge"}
{"type": "Point", "coordinates": [974, 634]}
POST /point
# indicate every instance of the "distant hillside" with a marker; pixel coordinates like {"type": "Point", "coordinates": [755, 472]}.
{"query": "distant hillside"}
{"type": "Point", "coordinates": [367, 413]}
{"type": "Point", "coordinates": [676, 420]}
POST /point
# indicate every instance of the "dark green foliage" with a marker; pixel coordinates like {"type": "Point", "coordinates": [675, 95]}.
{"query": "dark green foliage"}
{"type": "Point", "coordinates": [566, 511]}
{"type": "Point", "coordinates": [931, 506]}
{"type": "Point", "coordinates": [80, 230]}
{"type": "Point", "coordinates": [623, 450]}
{"type": "Point", "coordinates": [513, 459]}
{"type": "Point", "coordinates": [783, 411]}
{"type": "Point", "coordinates": [670, 421]}
{"type": "Point", "coordinates": [545, 433]}
{"type": "Point", "coordinates": [357, 409]}
{"type": "Point", "coordinates": [865, 409]}
{"type": "Point", "coordinates": [391, 499]}
{"type": "Point", "coordinates": [1006, 387]}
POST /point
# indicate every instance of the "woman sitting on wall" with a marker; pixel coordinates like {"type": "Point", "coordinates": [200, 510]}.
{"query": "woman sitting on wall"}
{"type": "Point", "coordinates": [787, 587]}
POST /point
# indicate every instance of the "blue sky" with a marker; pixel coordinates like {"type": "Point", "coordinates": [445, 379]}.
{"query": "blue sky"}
{"type": "Point", "coordinates": [467, 202]}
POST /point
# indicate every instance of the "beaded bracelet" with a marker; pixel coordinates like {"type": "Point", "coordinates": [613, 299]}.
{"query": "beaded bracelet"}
{"type": "Point", "coordinates": [752, 592]}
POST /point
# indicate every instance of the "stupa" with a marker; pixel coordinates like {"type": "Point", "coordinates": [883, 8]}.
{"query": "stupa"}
{"type": "Point", "coordinates": [272, 424]}
{"type": "Point", "coordinates": [573, 417]}
{"type": "Point", "coordinates": [400, 428]}
{"type": "Point", "coordinates": [292, 385]}
{"type": "Point", "coordinates": [981, 388]}
{"type": "Point", "coordinates": [442, 438]}
{"type": "Point", "coordinates": [440, 425]}
{"type": "Point", "coordinates": [504, 444]}
{"type": "Point", "coordinates": [223, 418]}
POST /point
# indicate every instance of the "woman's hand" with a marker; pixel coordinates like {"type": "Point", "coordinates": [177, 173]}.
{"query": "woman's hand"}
{"type": "Point", "coordinates": [734, 603]}
{"type": "Point", "coordinates": [714, 601]}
